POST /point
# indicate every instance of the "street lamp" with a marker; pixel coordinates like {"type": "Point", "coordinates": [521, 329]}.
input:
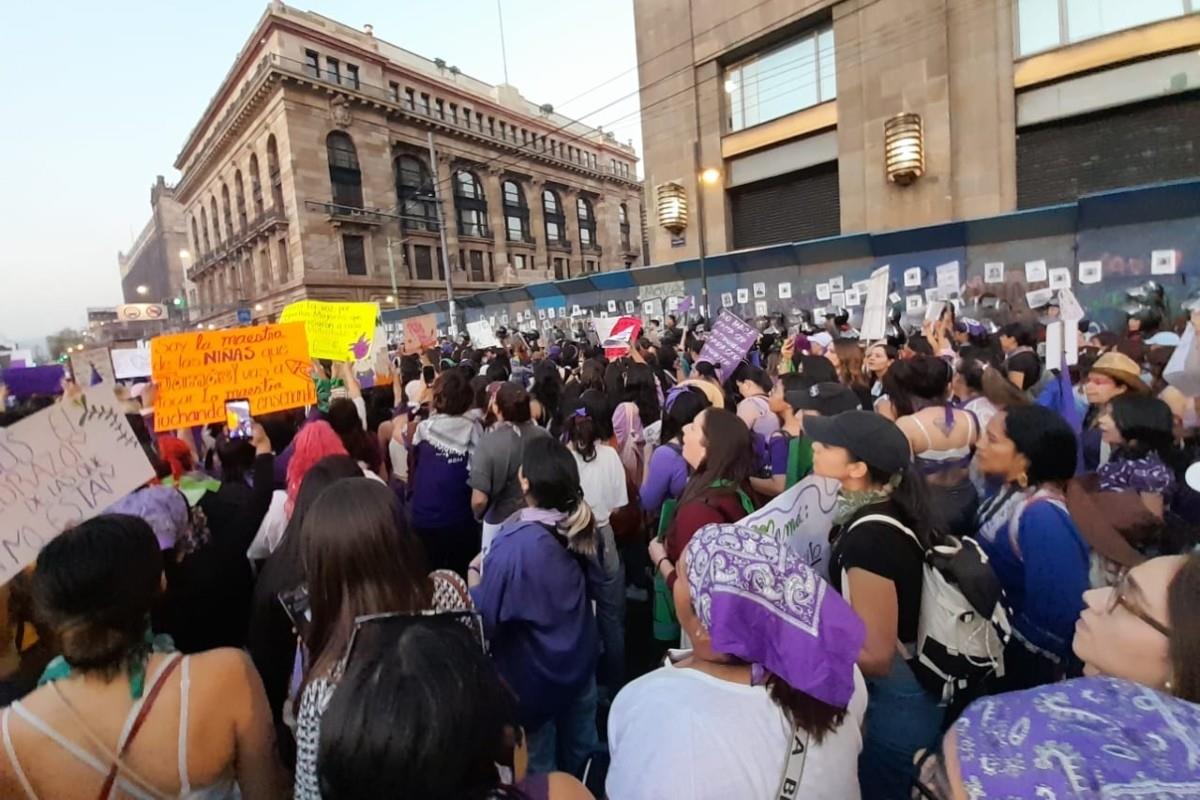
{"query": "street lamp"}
{"type": "Point", "coordinates": [708, 176]}
{"type": "Point", "coordinates": [391, 298]}
{"type": "Point", "coordinates": [143, 289]}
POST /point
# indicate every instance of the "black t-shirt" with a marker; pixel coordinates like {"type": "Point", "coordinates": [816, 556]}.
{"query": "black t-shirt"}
{"type": "Point", "coordinates": [1028, 364]}
{"type": "Point", "coordinates": [886, 551]}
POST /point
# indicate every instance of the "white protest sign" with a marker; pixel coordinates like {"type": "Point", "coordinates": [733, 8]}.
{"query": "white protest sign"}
{"type": "Point", "coordinates": [948, 276]}
{"type": "Point", "coordinates": [913, 304]}
{"type": "Point", "coordinates": [1057, 346]}
{"type": "Point", "coordinates": [1183, 369]}
{"type": "Point", "coordinates": [801, 518]}
{"type": "Point", "coordinates": [853, 298]}
{"type": "Point", "coordinates": [1068, 306]}
{"type": "Point", "coordinates": [61, 466]}
{"type": "Point", "coordinates": [482, 335]}
{"type": "Point", "coordinates": [874, 324]}
{"type": "Point", "coordinates": [93, 365]}
{"type": "Point", "coordinates": [612, 306]}
{"type": "Point", "coordinates": [1035, 271]}
{"type": "Point", "coordinates": [131, 362]}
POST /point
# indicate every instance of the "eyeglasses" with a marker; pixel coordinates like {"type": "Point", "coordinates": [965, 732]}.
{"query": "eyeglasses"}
{"type": "Point", "coordinates": [400, 620]}
{"type": "Point", "coordinates": [1120, 594]}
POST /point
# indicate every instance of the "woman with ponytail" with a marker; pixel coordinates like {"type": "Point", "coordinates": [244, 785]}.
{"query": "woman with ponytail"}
{"type": "Point", "coordinates": [533, 595]}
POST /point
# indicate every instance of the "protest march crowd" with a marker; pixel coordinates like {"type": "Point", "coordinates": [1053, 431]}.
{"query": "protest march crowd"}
{"type": "Point", "coordinates": [710, 559]}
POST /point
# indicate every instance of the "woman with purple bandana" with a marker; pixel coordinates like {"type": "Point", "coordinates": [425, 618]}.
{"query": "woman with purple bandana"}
{"type": "Point", "coordinates": [771, 673]}
{"type": "Point", "coordinates": [667, 472]}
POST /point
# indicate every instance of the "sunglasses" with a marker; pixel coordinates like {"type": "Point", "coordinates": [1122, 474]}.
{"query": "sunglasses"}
{"type": "Point", "coordinates": [1120, 595]}
{"type": "Point", "coordinates": [396, 622]}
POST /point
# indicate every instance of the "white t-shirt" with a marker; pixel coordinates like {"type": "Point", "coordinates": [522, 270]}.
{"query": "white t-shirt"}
{"type": "Point", "coordinates": [603, 482]}
{"type": "Point", "coordinates": [679, 733]}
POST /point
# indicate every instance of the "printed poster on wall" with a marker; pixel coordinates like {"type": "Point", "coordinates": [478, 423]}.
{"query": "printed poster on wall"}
{"type": "Point", "coordinates": [336, 331]}
{"type": "Point", "coordinates": [993, 272]}
{"type": "Point", "coordinates": [760, 290]}
{"type": "Point", "coordinates": [726, 299]}
{"type": "Point", "coordinates": [197, 372]}
{"type": "Point", "coordinates": [1090, 271]}
{"type": "Point", "coordinates": [1162, 262]}
{"type": "Point", "coordinates": [785, 291]}
{"type": "Point", "coordinates": [63, 465]}
{"type": "Point", "coordinates": [912, 277]}
{"type": "Point", "coordinates": [743, 296]}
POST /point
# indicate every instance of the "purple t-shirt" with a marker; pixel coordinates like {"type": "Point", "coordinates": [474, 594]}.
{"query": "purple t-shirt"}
{"type": "Point", "coordinates": [439, 496]}
{"type": "Point", "coordinates": [666, 476]}
{"type": "Point", "coordinates": [777, 449]}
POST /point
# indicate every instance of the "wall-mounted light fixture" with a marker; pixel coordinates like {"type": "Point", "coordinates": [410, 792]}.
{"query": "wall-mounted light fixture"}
{"type": "Point", "coordinates": [672, 206]}
{"type": "Point", "coordinates": [904, 148]}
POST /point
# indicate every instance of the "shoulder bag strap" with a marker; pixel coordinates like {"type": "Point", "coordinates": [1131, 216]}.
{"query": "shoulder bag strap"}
{"type": "Point", "coordinates": [892, 521]}
{"type": "Point", "coordinates": [793, 768]}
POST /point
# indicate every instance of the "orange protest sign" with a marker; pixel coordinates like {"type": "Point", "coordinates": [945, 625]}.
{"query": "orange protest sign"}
{"type": "Point", "coordinates": [197, 372]}
{"type": "Point", "coordinates": [420, 333]}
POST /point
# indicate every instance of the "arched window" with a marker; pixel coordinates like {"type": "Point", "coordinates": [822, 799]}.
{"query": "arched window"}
{"type": "Point", "coordinates": [516, 213]}
{"type": "Point", "coordinates": [216, 221]}
{"type": "Point", "coordinates": [470, 204]}
{"type": "Point", "coordinates": [196, 249]}
{"type": "Point", "coordinates": [225, 208]}
{"type": "Point", "coordinates": [623, 218]}
{"type": "Point", "coordinates": [239, 197]}
{"type": "Point", "coordinates": [414, 193]}
{"type": "Point", "coordinates": [344, 175]}
{"type": "Point", "coordinates": [255, 185]}
{"type": "Point", "coordinates": [556, 223]}
{"type": "Point", "coordinates": [204, 227]}
{"type": "Point", "coordinates": [587, 223]}
{"type": "Point", "coordinates": [273, 174]}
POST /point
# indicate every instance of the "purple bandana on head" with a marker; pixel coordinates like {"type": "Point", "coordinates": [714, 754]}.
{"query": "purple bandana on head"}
{"type": "Point", "coordinates": [761, 603]}
{"type": "Point", "coordinates": [1086, 738]}
{"type": "Point", "coordinates": [163, 508]}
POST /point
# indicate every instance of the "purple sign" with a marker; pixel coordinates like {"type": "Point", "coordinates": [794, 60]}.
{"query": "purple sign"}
{"type": "Point", "coordinates": [23, 382]}
{"type": "Point", "coordinates": [728, 343]}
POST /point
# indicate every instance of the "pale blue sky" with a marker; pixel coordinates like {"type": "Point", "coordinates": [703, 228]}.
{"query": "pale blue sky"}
{"type": "Point", "coordinates": [99, 97]}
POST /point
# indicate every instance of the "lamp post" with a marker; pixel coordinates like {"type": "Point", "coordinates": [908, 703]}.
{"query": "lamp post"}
{"type": "Point", "coordinates": [708, 176]}
{"type": "Point", "coordinates": [142, 289]}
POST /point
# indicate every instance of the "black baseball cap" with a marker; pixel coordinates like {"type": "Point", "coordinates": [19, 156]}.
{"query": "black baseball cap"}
{"type": "Point", "coordinates": [870, 438]}
{"type": "Point", "coordinates": [827, 399]}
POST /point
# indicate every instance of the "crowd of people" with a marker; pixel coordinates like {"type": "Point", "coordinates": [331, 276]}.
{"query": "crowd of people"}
{"type": "Point", "coordinates": [522, 571]}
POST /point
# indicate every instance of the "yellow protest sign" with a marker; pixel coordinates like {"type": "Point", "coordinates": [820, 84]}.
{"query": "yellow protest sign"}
{"type": "Point", "coordinates": [337, 331]}
{"type": "Point", "coordinates": [197, 372]}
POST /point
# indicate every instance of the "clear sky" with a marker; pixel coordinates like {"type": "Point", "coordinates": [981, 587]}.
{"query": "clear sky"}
{"type": "Point", "coordinates": [98, 98]}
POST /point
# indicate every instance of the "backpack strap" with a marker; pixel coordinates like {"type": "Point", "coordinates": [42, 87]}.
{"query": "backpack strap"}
{"type": "Point", "coordinates": [1014, 523]}
{"type": "Point", "coordinates": [891, 521]}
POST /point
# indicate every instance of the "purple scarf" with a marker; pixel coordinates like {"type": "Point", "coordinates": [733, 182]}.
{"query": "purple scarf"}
{"type": "Point", "coordinates": [761, 603]}
{"type": "Point", "coordinates": [1086, 738]}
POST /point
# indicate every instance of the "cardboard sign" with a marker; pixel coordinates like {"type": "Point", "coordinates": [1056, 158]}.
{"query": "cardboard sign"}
{"type": "Point", "coordinates": [482, 335]}
{"type": "Point", "coordinates": [92, 366]}
{"type": "Point", "coordinates": [801, 518]}
{"type": "Point", "coordinates": [728, 343]}
{"type": "Point", "coordinates": [197, 372]}
{"type": "Point", "coordinates": [131, 362]}
{"type": "Point", "coordinates": [874, 325]}
{"type": "Point", "coordinates": [420, 334]}
{"type": "Point", "coordinates": [337, 331]}
{"type": "Point", "coordinates": [62, 466]}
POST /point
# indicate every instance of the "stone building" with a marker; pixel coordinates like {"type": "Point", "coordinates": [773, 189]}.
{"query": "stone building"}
{"type": "Point", "coordinates": [310, 175]}
{"type": "Point", "coordinates": [781, 105]}
{"type": "Point", "coordinates": [153, 271]}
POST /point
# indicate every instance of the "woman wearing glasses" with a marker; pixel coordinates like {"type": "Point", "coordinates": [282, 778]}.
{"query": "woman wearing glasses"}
{"type": "Point", "coordinates": [1131, 728]}
{"type": "Point", "coordinates": [358, 564]}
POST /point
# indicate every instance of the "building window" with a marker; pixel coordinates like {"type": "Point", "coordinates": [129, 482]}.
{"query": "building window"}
{"type": "Point", "coordinates": [440, 105]}
{"type": "Point", "coordinates": [475, 261]}
{"type": "Point", "coordinates": [333, 70]}
{"type": "Point", "coordinates": [560, 271]}
{"type": "Point", "coordinates": [273, 174]}
{"type": "Point", "coordinates": [623, 219]}
{"type": "Point", "coordinates": [255, 186]}
{"type": "Point", "coordinates": [777, 82]}
{"type": "Point", "coordinates": [556, 223]}
{"type": "Point", "coordinates": [424, 104]}
{"type": "Point", "coordinates": [470, 205]}
{"type": "Point", "coordinates": [351, 76]}
{"type": "Point", "coordinates": [410, 99]}
{"type": "Point", "coordinates": [312, 63]}
{"type": "Point", "coordinates": [589, 266]}
{"type": "Point", "coordinates": [587, 222]}
{"type": "Point", "coordinates": [228, 215]}
{"type": "Point", "coordinates": [216, 222]}
{"type": "Point", "coordinates": [454, 113]}
{"type": "Point", "coordinates": [195, 237]}
{"type": "Point", "coordinates": [492, 126]}
{"type": "Point", "coordinates": [355, 252]}
{"type": "Point", "coordinates": [516, 213]}
{"type": "Point", "coordinates": [394, 91]}
{"type": "Point", "coordinates": [466, 117]}
{"type": "Point", "coordinates": [414, 193]}
{"type": "Point", "coordinates": [204, 227]}
{"type": "Point", "coordinates": [345, 178]}
{"type": "Point", "coordinates": [519, 261]}
{"type": "Point", "coordinates": [239, 198]}
{"type": "Point", "coordinates": [285, 263]}
{"type": "Point", "coordinates": [423, 262]}
{"type": "Point", "coordinates": [1047, 24]}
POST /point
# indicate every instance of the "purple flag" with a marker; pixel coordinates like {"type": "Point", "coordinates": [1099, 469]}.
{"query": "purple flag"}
{"type": "Point", "coordinates": [685, 305]}
{"type": "Point", "coordinates": [24, 382]}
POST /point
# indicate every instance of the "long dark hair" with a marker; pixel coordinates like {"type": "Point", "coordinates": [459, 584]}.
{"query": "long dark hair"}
{"type": "Point", "coordinates": [547, 389]}
{"type": "Point", "coordinates": [640, 388]}
{"type": "Point", "coordinates": [358, 562]}
{"type": "Point", "coordinates": [910, 494]}
{"type": "Point", "coordinates": [914, 383]}
{"type": "Point", "coordinates": [1047, 442]}
{"type": "Point", "coordinates": [553, 478]}
{"type": "Point", "coordinates": [1183, 649]}
{"type": "Point", "coordinates": [814, 716]}
{"type": "Point", "coordinates": [582, 426]}
{"type": "Point", "coordinates": [347, 424]}
{"type": "Point", "coordinates": [682, 406]}
{"type": "Point", "coordinates": [94, 587]}
{"type": "Point", "coordinates": [729, 456]}
{"type": "Point", "coordinates": [1146, 424]}
{"type": "Point", "coordinates": [420, 712]}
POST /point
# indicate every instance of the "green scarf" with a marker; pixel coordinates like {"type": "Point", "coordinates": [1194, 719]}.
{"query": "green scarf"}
{"type": "Point", "coordinates": [848, 503]}
{"type": "Point", "coordinates": [58, 668]}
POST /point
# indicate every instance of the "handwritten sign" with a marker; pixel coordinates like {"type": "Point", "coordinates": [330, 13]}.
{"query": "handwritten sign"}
{"type": "Point", "coordinates": [801, 517]}
{"type": "Point", "coordinates": [197, 372]}
{"type": "Point", "coordinates": [420, 333]}
{"type": "Point", "coordinates": [92, 366]}
{"type": "Point", "coordinates": [337, 331]}
{"type": "Point", "coordinates": [131, 362]}
{"type": "Point", "coordinates": [482, 335]}
{"type": "Point", "coordinates": [728, 343]}
{"type": "Point", "coordinates": [61, 466]}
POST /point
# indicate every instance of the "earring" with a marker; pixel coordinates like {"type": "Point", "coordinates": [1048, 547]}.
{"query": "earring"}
{"type": "Point", "coordinates": [1023, 480]}
{"type": "Point", "coordinates": [1168, 686]}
